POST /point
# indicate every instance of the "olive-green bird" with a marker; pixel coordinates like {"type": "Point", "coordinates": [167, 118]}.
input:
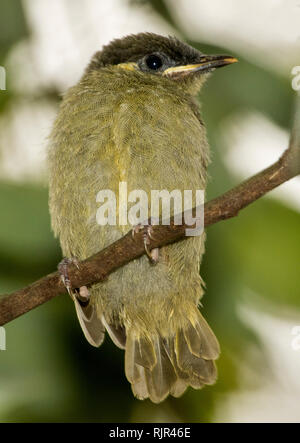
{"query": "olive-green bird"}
{"type": "Point", "coordinates": [133, 118]}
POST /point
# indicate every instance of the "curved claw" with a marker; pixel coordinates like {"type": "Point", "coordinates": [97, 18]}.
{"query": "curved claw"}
{"type": "Point", "coordinates": [64, 275]}
{"type": "Point", "coordinates": [146, 242]}
{"type": "Point", "coordinates": [136, 229]}
{"type": "Point", "coordinates": [147, 235]}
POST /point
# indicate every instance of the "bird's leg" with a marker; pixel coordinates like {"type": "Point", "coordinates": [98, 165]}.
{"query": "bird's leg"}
{"type": "Point", "coordinates": [82, 294]}
{"type": "Point", "coordinates": [147, 236]}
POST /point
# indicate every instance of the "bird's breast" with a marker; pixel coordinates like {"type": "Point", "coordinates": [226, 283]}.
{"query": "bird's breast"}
{"type": "Point", "coordinates": [157, 141]}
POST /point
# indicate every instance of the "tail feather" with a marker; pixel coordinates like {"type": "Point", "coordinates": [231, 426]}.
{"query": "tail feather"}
{"type": "Point", "coordinates": [91, 325]}
{"type": "Point", "coordinates": [192, 365]}
{"type": "Point", "coordinates": [148, 368]}
{"type": "Point", "coordinates": [157, 367]}
{"type": "Point", "coordinates": [201, 340]}
{"type": "Point", "coordinates": [132, 369]}
{"type": "Point", "coordinates": [184, 377]}
{"type": "Point", "coordinates": [116, 333]}
{"type": "Point", "coordinates": [145, 354]}
{"type": "Point", "coordinates": [178, 388]}
{"type": "Point", "coordinates": [162, 377]}
{"type": "Point", "coordinates": [139, 385]}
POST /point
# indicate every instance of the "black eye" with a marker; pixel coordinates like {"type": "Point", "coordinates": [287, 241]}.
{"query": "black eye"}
{"type": "Point", "coordinates": [154, 62]}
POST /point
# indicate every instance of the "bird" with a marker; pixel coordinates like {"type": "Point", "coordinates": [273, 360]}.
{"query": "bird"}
{"type": "Point", "coordinates": [134, 117]}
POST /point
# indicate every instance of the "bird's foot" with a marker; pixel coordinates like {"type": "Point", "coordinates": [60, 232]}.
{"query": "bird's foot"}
{"type": "Point", "coordinates": [82, 293]}
{"type": "Point", "coordinates": [147, 236]}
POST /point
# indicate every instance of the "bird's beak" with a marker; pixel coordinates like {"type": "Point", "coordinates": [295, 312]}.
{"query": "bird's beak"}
{"type": "Point", "coordinates": [207, 63]}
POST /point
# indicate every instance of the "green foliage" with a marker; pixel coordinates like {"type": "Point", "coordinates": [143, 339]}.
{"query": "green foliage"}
{"type": "Point", "coordinates": [12, 25]}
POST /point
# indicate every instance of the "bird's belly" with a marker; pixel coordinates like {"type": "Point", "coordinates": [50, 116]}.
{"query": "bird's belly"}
{"type": "Point", "coordinates": [149, 295]}
{"type": "Point", "coordinates": [139, 291]}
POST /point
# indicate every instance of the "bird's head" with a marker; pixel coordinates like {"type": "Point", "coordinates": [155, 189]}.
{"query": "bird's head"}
{"type": "Point", "coordinates": [165, 57]}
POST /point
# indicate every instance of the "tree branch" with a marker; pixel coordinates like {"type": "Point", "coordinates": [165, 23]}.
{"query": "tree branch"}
{"type": "Point", "coordinates": [99, 266]}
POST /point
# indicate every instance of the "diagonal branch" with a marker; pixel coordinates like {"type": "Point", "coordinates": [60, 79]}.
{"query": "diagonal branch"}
{"type": "Point", "coordinates": [99, 266]}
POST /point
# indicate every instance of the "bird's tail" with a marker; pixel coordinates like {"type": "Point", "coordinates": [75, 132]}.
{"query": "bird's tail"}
{"type": "Point", "coordinates": [157, 366]}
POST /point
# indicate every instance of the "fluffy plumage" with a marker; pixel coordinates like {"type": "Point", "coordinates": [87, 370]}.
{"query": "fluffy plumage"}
{"type": "Point", "coordinates": [120, 125]}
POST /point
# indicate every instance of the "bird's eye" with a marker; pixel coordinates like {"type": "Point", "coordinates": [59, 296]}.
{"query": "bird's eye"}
{"type": "Point", "coordinates": [154, 62]}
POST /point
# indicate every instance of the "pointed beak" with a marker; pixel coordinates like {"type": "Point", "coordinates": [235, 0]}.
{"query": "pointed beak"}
{"type": "Point", "coordinates": [206, 64]}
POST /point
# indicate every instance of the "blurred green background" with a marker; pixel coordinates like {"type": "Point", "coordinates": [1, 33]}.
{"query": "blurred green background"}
{"type": "Point", "coordinates": [251, 268]}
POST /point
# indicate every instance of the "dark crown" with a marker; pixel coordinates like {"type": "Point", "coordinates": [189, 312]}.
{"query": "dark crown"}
{"type": "Point", "coordinates": [134, 47]}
